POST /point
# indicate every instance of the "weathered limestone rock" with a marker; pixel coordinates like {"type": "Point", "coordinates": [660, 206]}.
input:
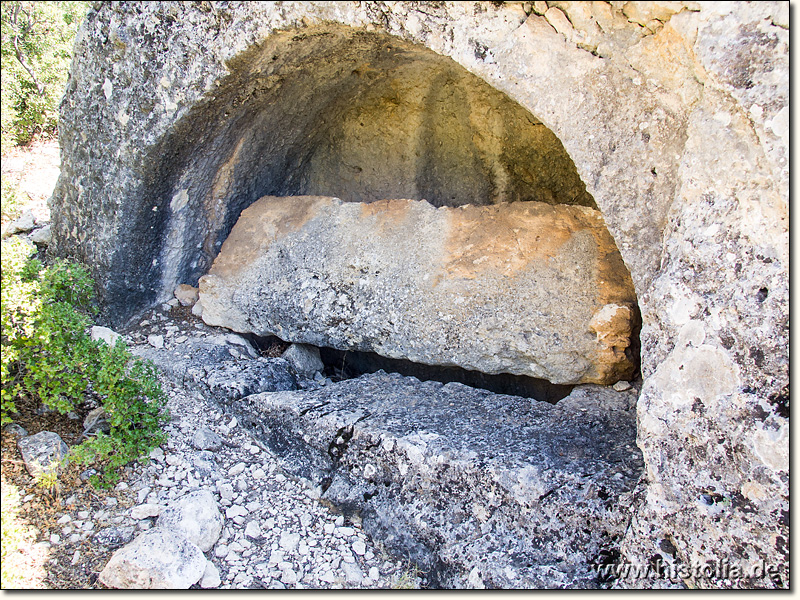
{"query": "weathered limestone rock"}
{"type": "Point", "coordinates": [196, 517]}
{"type": "Point", "coordinates": [42, 236]}
{"type": "Point", "coordinates": [458, 479]}
{"type": "Point", "coordinates": [305, 359]}
{"type": "Point", "coordinates": [157, 559]}
{"type": "Point", "coordinates": [109, 336]}
{"type": "Point", "coordinates": [211, 578]}
{"type": "Point", "coordinates": [221, 367]}
{"type": "Point", "coordinates": [523, 288]}
{"type": "Point", "coordinates": [42, 452]}
{"type": "Point", "coordinates": [23, 224]}
{"type": "Point", "coordinates": [679, 129]}
{"type": "Point", "coordinates": [186, 294]}
{"type": "Point", "coordinates": [205, 439]}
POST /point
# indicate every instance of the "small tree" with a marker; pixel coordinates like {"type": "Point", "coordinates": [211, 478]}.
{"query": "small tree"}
{"type": "Point", "coordinates": [35, 49]}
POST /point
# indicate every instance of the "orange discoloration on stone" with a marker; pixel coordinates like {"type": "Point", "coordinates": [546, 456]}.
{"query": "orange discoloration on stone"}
{"type": "Point", "coordinates": [505, 237]}
{"type": "Point", "coordinates": [390, 213]}
{"type": "Point", "coordinates": [525, 260]}
{"type": "Point", "coordinates": [267, 219]}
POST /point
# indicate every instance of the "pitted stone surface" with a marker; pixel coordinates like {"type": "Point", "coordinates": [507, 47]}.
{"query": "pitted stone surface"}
{"type": "Point", "coordinates": [196, 517]}
{"type": "Point", "coordinates": [43, 452]}
{"type": "Point", "coordinates": [156, 559]}
{"type": "Point", "coordinates": [221, 367]}
{"type": "Point", "coordinates": [523, 288]}
{"type": "Point", "coordinates": [455, 477]}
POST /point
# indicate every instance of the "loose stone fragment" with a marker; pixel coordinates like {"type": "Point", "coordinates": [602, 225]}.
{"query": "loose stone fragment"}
{"type": "Point", "coordinates": [197, 517]}
{"type": "Point", "coordinates": [42, 236]}
{"type": "Point", "coordinates": [157, 559]}
{"type": "Point", "coordinates": [205, 439]}
{"type": "Point", "coordinates": [144, 511]}
{"type": "Point", "coordinates": [211, 578]}
{"type": "Point", "coordinates": [42, 452]}
{"type": "Point", "coordinates": [109, 336]}
{"type": "Point", "coordinates": [23, 224]}
{"type": "Point", "coordinates": [524, 288]}
{"type": "Point", "coordinates": [304, 358]}
{"type": "Point", "coordinates": [186, 294]}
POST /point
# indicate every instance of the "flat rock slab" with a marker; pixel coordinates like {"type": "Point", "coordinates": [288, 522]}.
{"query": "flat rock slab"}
{"type": "Point", "coordinates": [477, 489]}
{"type": "Point", "coordinates": [524, 288]}
{"type": "Point", "coordinates": [219, 367]}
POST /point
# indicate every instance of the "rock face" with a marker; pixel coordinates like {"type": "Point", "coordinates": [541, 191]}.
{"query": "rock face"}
{"type": "Point", "coordinates": [675, 119]}
{"type": "Point", "coordinates": [524, 493]}
{"type": "Point", "coordinates": [523, 288]}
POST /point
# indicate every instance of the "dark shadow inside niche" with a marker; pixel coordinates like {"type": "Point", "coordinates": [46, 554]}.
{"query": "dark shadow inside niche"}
{"type": "Point", "coordinates": [341, 364]}
{"type": "Point", "coordinates": [362, 116]}
{"type": "Point", "coordinates": [345, 364]}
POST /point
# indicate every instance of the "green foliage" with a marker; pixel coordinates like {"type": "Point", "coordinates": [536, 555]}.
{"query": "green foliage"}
{"type": "Point", "coordinates": [11, 202]}
{"type": "Point", "coordinates": [36, 51]}
{"type": "Point", "coordinates": [134, 402]}
{"type": "Point", "coordinates": [47, 354]}
{"type": "Point", "coordinates": [47, 478]}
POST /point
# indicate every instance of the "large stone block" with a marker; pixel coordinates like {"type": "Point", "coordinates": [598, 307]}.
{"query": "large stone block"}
{"type": "Point", "coordinates": [524, 288]}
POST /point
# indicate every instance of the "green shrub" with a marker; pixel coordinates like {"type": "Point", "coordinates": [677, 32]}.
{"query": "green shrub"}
{"type": "Point", "coordinates": [11, 203]}
{"type": "Point", "coordinates": [47, 354]}
{"type": "Point", "coordinates": [36, 50]}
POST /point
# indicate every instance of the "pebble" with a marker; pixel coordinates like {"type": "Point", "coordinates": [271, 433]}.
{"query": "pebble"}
{"type": "Point", "coordinates": [352, 573]}
{"type": "Point", "coordinates": [144, 511]}
{"type": "Point", "coordinates": [236, 511]}
{"type": "Point", "coordinates": [288, 577]}
{"type": "Point", "coordinates": [359, 547]}
{"type": "Point", "coordinates": [289, 541]}
{"type": "Point", "coordinates": [211, 578]}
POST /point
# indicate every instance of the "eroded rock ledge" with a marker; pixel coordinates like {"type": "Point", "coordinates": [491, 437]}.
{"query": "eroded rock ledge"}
{"type": "Point", "coordinates": [477, 489]}
{"type": "Point", "coordinates": [524, 288]}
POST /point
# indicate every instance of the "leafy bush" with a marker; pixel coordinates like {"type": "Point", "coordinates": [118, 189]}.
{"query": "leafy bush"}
{"type": "Point", "coordinates": [11, 201]}
{"type": "Point", "coordinates": [36, 50]}
{"type": "Point", "coordinates": [47, 354]}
